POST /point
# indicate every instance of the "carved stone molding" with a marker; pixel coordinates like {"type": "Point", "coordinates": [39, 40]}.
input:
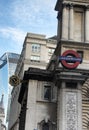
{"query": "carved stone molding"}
{"type": "Point", "coordinates": [71, 111]}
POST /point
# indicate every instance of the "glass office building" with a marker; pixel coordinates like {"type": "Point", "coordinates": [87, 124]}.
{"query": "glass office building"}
{"type": "Point", "coordinates": [8, 64]}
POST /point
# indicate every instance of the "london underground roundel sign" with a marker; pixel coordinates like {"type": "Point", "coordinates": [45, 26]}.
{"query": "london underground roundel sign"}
{"type": "Point", "coordinates": [70, 59]}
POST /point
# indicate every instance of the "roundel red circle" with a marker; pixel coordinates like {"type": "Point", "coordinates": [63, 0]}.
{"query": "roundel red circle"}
{"type": "Point", "coordinates": [71, 53]}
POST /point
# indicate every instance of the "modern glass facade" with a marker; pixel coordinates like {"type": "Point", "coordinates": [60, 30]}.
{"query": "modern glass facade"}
{"type": "Point", "coordinates": [8, 64]}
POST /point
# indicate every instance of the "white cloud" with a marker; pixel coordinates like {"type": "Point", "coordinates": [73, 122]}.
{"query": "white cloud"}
{"type": "Point", "coordinates": [34, 13]}
{"type": "Point", "coordinates": [22, 16]}
{"type": "Point", "coordinates": [13, 34]}
{"type": "Point", "coordinates": [11, 40]}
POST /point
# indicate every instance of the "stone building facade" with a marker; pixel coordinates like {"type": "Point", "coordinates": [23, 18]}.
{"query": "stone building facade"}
{"type": "Point", "coordinates": [57, 97]}
{"type": "Point", "coordinates": [37, 51]}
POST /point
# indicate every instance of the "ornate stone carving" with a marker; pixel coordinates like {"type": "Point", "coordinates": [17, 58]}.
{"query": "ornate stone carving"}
{"type": "Point", "coordinates": [71, 111]}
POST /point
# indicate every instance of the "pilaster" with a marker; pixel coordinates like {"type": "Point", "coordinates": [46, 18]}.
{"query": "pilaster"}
{"type": "Point", "coordinates": [65, 22]}
{"type": "Point", "coordinates": [87, 24]}
{"type": "Point", "coordinates": [69, 108]}
{"type": "Point", "coordinates": [71, 25]}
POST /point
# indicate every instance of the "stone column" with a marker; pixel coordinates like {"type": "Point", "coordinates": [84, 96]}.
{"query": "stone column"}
{"type": "Point", "coordinates": [87, 24]}
{"type": "Point", "coordinates": [71, 26]}
{"type": "Point", "coordinates": [64, 23]}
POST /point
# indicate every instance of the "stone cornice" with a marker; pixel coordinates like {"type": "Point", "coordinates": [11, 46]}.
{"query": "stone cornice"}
{"type": "Point", "coordinates": [76, 3]}
{"type": "Point", "coordinates": [34, 74]}
{"type": "Point", "coordinates": [85, 45]}
{"type": "Point", "coordinates": [38, 74]}
{"type": "Point", "coordinates": [51, 76]}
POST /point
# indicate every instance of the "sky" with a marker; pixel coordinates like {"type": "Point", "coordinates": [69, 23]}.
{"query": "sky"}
{"type": "Point", "coordinates": [17, 17]}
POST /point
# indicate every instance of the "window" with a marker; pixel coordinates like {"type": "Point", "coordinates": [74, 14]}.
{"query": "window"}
{"type": "Point", "coordinates": [51, 50]}
{"type": "Point", "coordinates": [47, 92]}
{"type": "Point", "coordinates": [36, 47]}
{"type": "Point", "coordinates": [35, 58]}
{"type": "Point", "coordinates": [80, 53]}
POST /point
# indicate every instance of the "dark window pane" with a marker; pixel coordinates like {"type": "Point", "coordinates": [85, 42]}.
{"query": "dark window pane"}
{"type": "Point", "coordinates": [80, 53]}
{"type": "Point", "coordinates": [47, 92]}
{"type": "Point", "coordinates": [71, 85]}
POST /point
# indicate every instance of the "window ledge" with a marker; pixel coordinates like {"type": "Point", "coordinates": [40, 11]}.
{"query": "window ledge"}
{"type": "Point", "coordinates": [46, 101]}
